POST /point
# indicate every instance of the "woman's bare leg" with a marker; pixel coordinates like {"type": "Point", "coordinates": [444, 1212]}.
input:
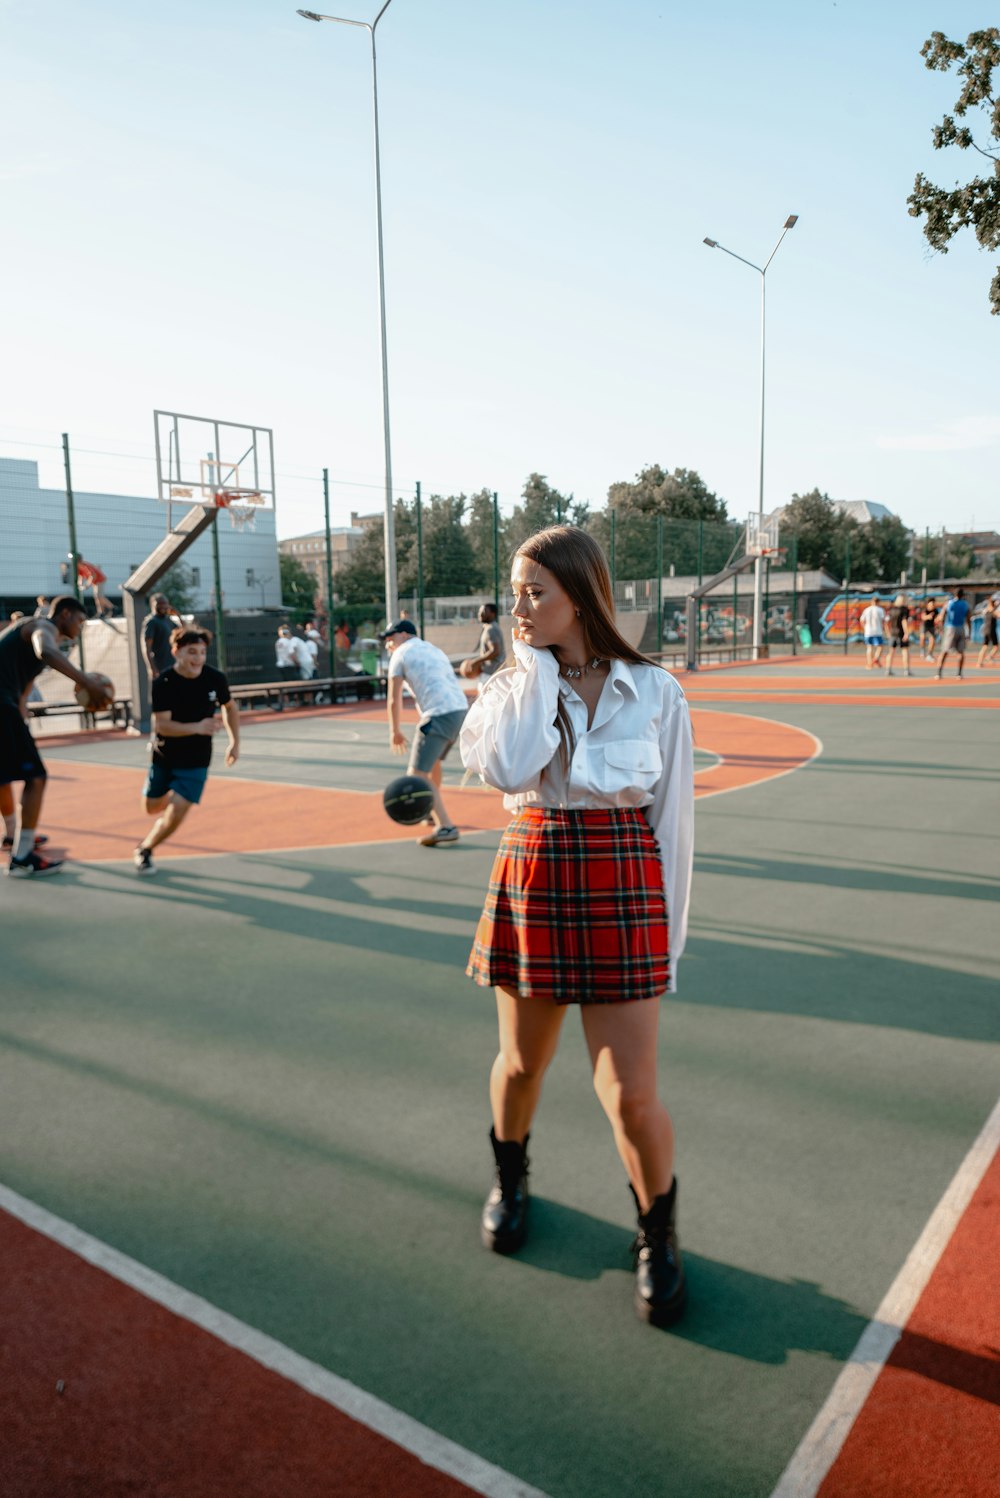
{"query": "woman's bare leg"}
{"type": "Point", "coordinates": [529, 1035]}
{"type": "Point", "coordinates": [621, 1039]}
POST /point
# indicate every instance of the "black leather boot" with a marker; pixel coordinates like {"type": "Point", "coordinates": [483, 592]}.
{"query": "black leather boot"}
{"type": "Point", "coordinates": [660, 1290]}
{"type": "Point", "coordinates": [505, 1212]}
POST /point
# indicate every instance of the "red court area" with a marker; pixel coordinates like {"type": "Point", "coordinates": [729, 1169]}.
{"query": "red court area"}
{"type": "Point", "coordinates": [104, 1392]}
{"type": "Point", "coordinates": [931, 1426]}
{"type": "Point", "coordinates": [94, 811]}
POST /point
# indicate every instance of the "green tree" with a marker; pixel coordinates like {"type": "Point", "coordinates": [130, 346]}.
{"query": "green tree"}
{"type": "Point", "coordinates": [541, 506]}
{"type": "Point", "coordinates": [686, 505]}
{"type": "Point", "coordinates": [880, 550]}
{"type": "Point", "coordinates": [297, 587]}
{"type": "Point", "coordinates": [179, 586]}
{"type": "Point", "coordinates": [820, 531]}
{"type": "Point", "coordinates": [943, 555]}
{"type": "Point", "coordinates": [681, 495]}
{"type": "Point", "coordinates": [450, 565]}
{"type": "Point", "coordinates": [361, 580]}
{"type": "Point", "coordinates": [975, 205]}
{"type": "Point", "coordinates": [479, 529]}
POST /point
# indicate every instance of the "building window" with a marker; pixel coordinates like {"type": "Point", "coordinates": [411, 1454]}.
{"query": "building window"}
{"type": "Point", "coordinates": [251, 579]}
{"type": "Point", "coordinates": [196, 577]}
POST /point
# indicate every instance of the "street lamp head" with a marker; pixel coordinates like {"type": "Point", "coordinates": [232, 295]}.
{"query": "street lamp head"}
{"type": "Point", "coordinates": [713, 244]}
{"type": "Point", "coordinates": [308, 15]}
{"type": "Point", "coordinates": [790, 221]}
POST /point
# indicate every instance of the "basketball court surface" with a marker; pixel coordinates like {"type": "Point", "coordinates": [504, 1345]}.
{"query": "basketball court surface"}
{"type": "Point", "coordinates": [245, 1118]}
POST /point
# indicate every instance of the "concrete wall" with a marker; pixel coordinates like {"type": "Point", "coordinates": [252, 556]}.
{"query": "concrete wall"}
{"type": "Point", "coordinates": [116, 532]}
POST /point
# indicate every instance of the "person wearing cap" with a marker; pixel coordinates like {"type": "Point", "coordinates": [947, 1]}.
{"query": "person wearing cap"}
{"type": "Point", "coordinates": [899, 633]}
{"type": "Point", "coordinates": [442, 705]}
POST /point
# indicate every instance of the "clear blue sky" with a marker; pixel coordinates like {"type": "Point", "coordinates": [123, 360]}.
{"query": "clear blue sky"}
{"type": "Point", "coordinates": [189, 224]}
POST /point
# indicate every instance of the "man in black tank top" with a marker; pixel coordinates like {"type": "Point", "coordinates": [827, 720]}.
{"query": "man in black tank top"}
{"type": "Point", "coordinates": [26, 648]}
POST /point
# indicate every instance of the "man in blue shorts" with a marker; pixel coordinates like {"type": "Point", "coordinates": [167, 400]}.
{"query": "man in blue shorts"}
{"type": "Point", "coordinates": [954, 619]}
{"type": "Point", "coordinates": [442, 705]}
{"type": "Point", "coordinates": [185, 700]}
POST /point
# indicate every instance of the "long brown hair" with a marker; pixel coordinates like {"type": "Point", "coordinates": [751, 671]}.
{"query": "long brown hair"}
{"type": "Point", "coordinates": [578, 565]}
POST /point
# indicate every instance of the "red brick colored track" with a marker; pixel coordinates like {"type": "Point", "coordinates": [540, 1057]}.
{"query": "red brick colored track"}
{"type": "Point", "coordinates": [932, 1421]}
{"type": "Point", "coordinates": [154, 1406]}
{"type": "Point", "coordinates": [94, 811]}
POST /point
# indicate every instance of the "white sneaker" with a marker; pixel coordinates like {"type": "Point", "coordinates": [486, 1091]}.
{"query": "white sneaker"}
{"type": "Point", "coordinates": [143, 860]}
{"type": "Point", "coordinates": [438, 836]}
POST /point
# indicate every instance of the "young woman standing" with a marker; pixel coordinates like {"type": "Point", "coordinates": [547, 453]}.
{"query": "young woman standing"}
{"type": "Point", "coordinates": [591, 744]}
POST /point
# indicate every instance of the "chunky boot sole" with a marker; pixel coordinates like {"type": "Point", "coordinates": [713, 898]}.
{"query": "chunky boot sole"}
{"type": "Point", "coordinates": [503, 1243]}
{"type": "Point", "coordinates": [665, 1315]}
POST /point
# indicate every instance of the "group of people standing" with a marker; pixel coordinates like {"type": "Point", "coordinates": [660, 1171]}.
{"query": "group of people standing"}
{"type": "Point", "coordinates": [900, 625]}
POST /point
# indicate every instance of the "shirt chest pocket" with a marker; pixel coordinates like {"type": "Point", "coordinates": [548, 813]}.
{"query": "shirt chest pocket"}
{"type": "Point", "coordinates": [635, 764]}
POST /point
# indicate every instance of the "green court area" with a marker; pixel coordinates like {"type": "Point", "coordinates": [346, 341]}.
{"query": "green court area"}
{"type": "Point", "coordinates": [263, 1075]}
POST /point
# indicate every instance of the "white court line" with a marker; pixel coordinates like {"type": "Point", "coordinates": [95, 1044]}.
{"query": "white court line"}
{"type": "Point", "coordinates": [432, 1449]}
{"type": "Point", "coordinates": [728, 790]}
{"type": "Point", "coordinates": [822, 1442]}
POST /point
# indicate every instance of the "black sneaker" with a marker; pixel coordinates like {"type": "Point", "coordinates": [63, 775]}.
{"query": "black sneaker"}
{"type": "Point", "coordinates": [27, 868]}
{"type": "Point", "coordinates": [40, 841]}
{"type": "Point", "coordinates": [143, 860]}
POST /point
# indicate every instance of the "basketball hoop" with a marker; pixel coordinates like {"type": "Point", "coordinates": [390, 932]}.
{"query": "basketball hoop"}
{"type": "Point", "coordinates": [241, 506]}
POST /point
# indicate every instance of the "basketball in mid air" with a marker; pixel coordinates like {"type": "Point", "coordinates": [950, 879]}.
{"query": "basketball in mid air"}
{"type": "Point", "coordinates": [86, 698]}
{"type": "Point", "coordinates": [408, 799]}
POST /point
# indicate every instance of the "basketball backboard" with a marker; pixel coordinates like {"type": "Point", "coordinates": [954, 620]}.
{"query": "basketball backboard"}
{"type": "Point", "coordinates": [200, 457]}
{"type": "Point", "coordinates": [762, 534]}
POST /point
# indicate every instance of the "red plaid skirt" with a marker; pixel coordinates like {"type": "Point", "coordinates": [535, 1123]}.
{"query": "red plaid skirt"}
{"type": "Point", "coordinates": [575, 910]}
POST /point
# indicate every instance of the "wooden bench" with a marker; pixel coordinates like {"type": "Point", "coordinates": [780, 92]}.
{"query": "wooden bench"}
{"type": "Point", "coordinates": [280, 694]}
{"type": "Point", "coordinates": [117, 715]}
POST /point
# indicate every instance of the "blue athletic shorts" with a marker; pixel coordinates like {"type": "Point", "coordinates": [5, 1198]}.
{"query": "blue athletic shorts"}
{"type": "Point", "coordinates": [188, 784]}
{"type": "Point", "coordinates": [874, 640]}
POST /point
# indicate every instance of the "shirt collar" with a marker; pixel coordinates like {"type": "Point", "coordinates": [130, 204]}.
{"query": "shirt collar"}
{"type": "Point", "coordinates": [620, 676]}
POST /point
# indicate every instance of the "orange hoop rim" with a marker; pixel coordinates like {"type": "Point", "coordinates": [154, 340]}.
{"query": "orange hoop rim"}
{"type": "Point", "coordinates": [247, 498]}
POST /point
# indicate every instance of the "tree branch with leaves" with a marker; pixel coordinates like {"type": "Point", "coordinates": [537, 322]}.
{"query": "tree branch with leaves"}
{"type": "Point", "coordinates": [976, 205]}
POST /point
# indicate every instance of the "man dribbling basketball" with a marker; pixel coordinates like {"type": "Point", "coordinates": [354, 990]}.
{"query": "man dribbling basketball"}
{"type": "Point", "coordinates": [26, 648]}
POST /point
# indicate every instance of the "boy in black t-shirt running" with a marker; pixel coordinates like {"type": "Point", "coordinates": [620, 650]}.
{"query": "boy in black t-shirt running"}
{"type": "Point", "coordinates": [184, 723]}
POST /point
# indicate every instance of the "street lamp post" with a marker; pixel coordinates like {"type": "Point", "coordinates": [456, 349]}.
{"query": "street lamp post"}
{"type": "Point", "coordinates": [391, 594]}
{"type": "Point", "coordinates": [758, 571]}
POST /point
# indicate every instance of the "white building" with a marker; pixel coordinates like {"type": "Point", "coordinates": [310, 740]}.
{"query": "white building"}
{"type": "Point", "coordinates": [116, 532]}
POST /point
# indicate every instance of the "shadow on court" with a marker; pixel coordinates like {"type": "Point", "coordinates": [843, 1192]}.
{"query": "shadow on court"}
{"type": "Point", "coordinates": [731, 1310]}
{"type": "Point", "coordinates": [879, 878]}
{"type": "Point", "coordinates": [902, 988]}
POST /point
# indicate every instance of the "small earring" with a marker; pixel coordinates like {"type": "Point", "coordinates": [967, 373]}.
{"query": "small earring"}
{"type": "Point", "coordinates": [578, 614]}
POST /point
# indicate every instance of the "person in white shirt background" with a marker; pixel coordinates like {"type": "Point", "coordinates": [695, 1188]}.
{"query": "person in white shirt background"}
{"type": "Point", "coordinates": [588, 899]}
{"type": "Point", "coordinates": [873, 628]}
{"type": "Point", "coordinates": [442, 704]}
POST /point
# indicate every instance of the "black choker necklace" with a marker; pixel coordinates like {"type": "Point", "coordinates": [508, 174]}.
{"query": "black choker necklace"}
{"type": "Point", "coordinates": [572, 672]}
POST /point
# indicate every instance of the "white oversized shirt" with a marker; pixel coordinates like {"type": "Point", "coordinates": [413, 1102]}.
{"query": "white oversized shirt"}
{"type": "Point", "coordinates": [636, 753]}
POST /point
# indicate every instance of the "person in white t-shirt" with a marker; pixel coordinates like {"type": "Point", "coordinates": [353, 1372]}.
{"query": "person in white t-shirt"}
{"type": "Point", "coordinates": [442, 705]}
{"type": "Point", "coordinates": [292, 658]}
{"type": "Point", "coordinates": [873, 628]}
{"type": "Point", "coordinates": [591, 744]}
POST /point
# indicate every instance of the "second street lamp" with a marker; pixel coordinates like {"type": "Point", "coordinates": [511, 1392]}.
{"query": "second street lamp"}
{"type": "Point", "coordinates": [391, 593]}
{"type": "Point", "coordinates": [758, 573]}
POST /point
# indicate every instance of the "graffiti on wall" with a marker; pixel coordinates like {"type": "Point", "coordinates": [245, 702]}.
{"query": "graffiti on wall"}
{"type": "Point", "coordinates": [842, 615]}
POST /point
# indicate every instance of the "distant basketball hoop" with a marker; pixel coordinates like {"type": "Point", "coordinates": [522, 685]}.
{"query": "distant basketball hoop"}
{"type": "Point", "coordinates": [761, 535]}
{"type": "Point", "coordinates": [241, 505]}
